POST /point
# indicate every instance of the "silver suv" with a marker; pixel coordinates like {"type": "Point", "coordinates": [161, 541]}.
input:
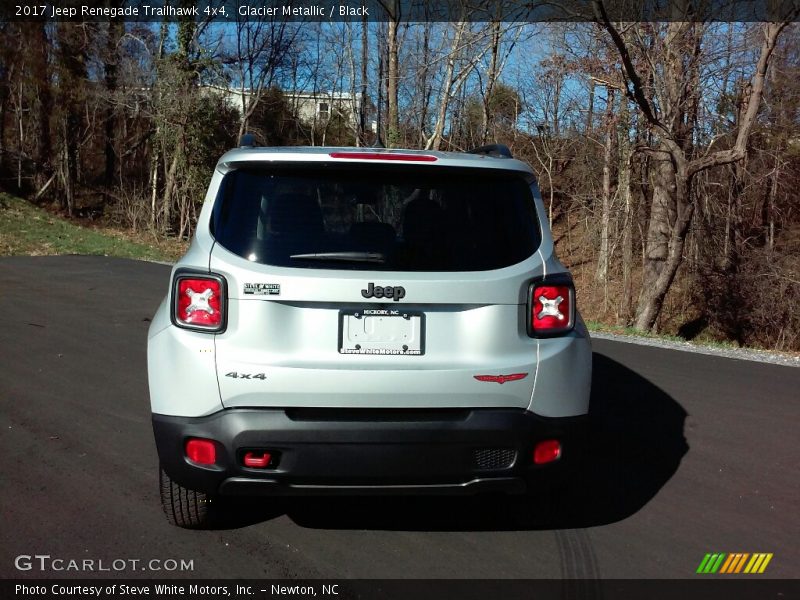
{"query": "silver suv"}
{"type": "Point", "coordinates": [361, 321]}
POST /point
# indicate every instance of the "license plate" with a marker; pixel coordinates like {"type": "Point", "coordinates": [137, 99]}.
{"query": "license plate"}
{"type": "Point", "coordinates": [382, 331]}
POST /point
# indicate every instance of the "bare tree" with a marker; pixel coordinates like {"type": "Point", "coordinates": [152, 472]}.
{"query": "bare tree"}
{"type": "Point", "coordinates": [604, 256]}
{"type": "Point", "coordinates": [261, 49]}
{"type": "Point", "coordinates": [393, 14]}
{"type": "Point", "coordinates": [72, 73]}
{"type": "Point", "coordinates": [670, 111]}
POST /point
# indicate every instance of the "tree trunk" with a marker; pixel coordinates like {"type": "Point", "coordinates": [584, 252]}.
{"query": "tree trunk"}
{"type": "Point", "coordinates": [115, 31]}
{"type": "Point", "coordinates": [662, 216]}
{"type": "Point", "coordinates": [20, 138]}
{"type": "Point", "coordinates": [69, 168]}
{"type": "Point", "coordinates": [451, 84]}
{"type": "Point", "coordinates": [393, 76]}
{"type": "Point", "coordinates": [624, 186]}
{"type": "Point", "coordinates": [72, 74]}
{"type": "Point", "coordinates": [40, 72]}
{"type": "Point", "coordinates": [184, 215]}
{"type": "Point", "coordinates": [362, 113]}
{"type": "Point", "coordinates": [659, 274]}
{"type": "Point", "coordinates": [733, 225]}
{"type": "Point", "coordinates": [770, 204]}
{"type": "Point", "coordinates": [170, 184]}
{"type": "Point", "coordinates": [424, 89]}
{"type": "Point", "coordinates": [601, 276]}
{"type": "Point", "coordinates": [491, 79]}
{"type": "Point", "coordinates": [381, 134]}
{"type": "Point", "coordinates": [155, 161]}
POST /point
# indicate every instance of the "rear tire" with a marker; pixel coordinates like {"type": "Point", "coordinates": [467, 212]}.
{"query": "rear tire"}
{"type": "Point", "coordinates": [183, 507]}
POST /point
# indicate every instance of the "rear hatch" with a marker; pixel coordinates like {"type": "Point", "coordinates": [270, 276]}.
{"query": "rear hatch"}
{"type": "Point", "coordinates": [363, 285]}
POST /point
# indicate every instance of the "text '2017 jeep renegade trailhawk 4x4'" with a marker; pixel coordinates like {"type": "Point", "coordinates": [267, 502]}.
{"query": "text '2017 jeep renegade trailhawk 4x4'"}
{"type": "Point", "coordinates": [366, 321]}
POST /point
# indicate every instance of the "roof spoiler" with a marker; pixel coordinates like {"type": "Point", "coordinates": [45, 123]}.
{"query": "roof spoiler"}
{"type": "Point", "coordinates": [495, 150]}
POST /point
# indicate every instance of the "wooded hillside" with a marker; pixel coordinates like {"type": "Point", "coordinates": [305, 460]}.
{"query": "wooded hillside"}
{"type": "Point", "coordinates": [668, 154]}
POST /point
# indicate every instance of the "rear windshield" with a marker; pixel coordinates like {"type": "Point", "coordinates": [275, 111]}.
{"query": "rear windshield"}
{"type": "Point", "coordinates": [390, 219]}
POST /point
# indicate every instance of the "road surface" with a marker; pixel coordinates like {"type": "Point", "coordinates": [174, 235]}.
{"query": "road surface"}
{"type": "Point", "coordinates": [691, 454]}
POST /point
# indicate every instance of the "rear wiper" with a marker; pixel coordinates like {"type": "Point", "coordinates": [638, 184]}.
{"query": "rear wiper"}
{"type": "Point", "coordinates": [371, 257]}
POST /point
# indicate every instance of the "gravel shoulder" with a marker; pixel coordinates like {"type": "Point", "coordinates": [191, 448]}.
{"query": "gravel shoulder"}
{"type": "Point", "coordinates": [762, 356]}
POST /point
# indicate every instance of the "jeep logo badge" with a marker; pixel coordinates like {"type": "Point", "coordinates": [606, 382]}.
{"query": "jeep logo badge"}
{"type": "Point", "coordinates": [375, 291]}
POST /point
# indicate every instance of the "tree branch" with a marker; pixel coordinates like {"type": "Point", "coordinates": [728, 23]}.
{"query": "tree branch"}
{"type": "Point", "coordinates": [638, 95]}
{"type": "Point", "coordinates": [737, 153]}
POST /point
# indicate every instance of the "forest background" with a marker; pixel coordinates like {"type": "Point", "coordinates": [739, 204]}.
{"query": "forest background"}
{"type": "Point", "coordinates": [667, 152]}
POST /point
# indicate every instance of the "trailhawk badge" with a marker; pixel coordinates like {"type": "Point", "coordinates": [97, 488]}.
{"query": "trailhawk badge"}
{"type": "Point", "coordinates": [375, 291]}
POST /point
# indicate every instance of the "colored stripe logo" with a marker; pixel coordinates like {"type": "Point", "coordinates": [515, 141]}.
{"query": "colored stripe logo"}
{"type": "Point", "coordinates": [737, 562]}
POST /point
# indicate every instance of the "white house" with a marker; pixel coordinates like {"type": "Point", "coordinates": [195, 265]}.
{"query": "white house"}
{"type": "Point", "coordinates": [310, 107]}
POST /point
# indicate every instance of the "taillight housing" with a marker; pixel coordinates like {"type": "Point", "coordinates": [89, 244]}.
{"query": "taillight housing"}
{"type": "Point", "coordinates": [199, 301]}
{"type": "Point", "coordinates": [551, 306]}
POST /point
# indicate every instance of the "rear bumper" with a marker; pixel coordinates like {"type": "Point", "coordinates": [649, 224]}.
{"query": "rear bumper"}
{"type": "Point", "coordinates": [360, 451]}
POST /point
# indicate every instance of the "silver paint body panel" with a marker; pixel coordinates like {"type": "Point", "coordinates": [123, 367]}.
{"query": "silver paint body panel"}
{"type": "Point", "coordinates": [475, 324]}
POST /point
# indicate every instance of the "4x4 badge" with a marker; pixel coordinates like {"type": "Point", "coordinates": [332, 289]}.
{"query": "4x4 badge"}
{"type": "Point", "coordinates": [375, 291]}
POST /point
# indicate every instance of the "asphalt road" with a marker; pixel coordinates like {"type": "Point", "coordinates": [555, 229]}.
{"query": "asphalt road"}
{"type": "Point", "coordinates": [691, 454]}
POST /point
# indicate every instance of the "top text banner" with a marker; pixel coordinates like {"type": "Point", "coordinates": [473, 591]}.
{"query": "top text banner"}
{"type": "Point", "coordinates": [401, 10]}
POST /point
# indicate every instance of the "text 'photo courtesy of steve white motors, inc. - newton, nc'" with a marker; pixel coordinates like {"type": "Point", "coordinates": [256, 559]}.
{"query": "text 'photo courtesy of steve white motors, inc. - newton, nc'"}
{"type": "Point", "coordinates": [162, 10]}
{"type": "Point", "coordinates": [168, 591]}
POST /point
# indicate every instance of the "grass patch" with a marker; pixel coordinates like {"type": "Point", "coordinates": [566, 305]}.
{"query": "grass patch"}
{"type": "Point", "coordinates": [31, 231]}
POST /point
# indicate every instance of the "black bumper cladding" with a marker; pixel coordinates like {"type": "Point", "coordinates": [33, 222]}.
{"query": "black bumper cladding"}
{"type": "Point", "coordinates": [365, 451]}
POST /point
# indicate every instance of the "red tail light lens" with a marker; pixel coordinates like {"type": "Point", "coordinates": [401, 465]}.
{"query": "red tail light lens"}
{"type": "Point", "coordinates": [199, 302]}
{"type": "Point", "coordinates": [546, 452]}
{"type": "Point", "coordinates": [201, 451]}
{"type": "Point", "coordinates": [552, 309]}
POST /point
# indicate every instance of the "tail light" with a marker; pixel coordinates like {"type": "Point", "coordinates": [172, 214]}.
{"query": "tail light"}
{"type": "Point", "coordinates": [546, 452]}
{"type": "Point", "coordinates": [551, 307]}
{"type": "Point", "coordinates": [199, 301]}
{"type": "Point", "coordinates": [200, 451]}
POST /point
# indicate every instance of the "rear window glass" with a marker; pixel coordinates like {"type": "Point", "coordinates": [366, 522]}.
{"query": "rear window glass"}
{"type": "Point", "coordinates": [390, 219]}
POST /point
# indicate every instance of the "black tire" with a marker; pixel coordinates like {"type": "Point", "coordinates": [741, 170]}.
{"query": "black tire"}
{"type": "Point", "coordinates": [185, 508]}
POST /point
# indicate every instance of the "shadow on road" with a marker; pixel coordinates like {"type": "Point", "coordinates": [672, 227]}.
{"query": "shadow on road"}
{"type": "Point", "coordinates": [636, 445]}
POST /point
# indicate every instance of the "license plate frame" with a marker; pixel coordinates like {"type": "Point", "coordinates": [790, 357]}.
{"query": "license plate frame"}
{"type": "Point", "coordinates": [349, 343]}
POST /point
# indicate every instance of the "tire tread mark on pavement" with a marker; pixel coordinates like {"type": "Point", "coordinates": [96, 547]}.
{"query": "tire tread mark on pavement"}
{"type": "Point", "coordinates": [579, 569]}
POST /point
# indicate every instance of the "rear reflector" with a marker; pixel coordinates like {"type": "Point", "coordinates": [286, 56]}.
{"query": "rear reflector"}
{"type": "Point", "coordinates": [501, 379]}
{"type": "Point", "coordinates": [199, 302]}
{"type": "Point", "coordinates": [201, 451]}
{"type": "Point", "coordinates": [257, 460]}
{"type": "Point", "coordinates": [546, 452]}
{"type": "Point", "coordinates": [384, 156]}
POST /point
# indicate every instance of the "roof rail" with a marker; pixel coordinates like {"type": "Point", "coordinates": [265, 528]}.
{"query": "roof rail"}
{"type": "Point", "coordinates": [248, 140]}
{"type": "Point", "coordinates": [495, 150]}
